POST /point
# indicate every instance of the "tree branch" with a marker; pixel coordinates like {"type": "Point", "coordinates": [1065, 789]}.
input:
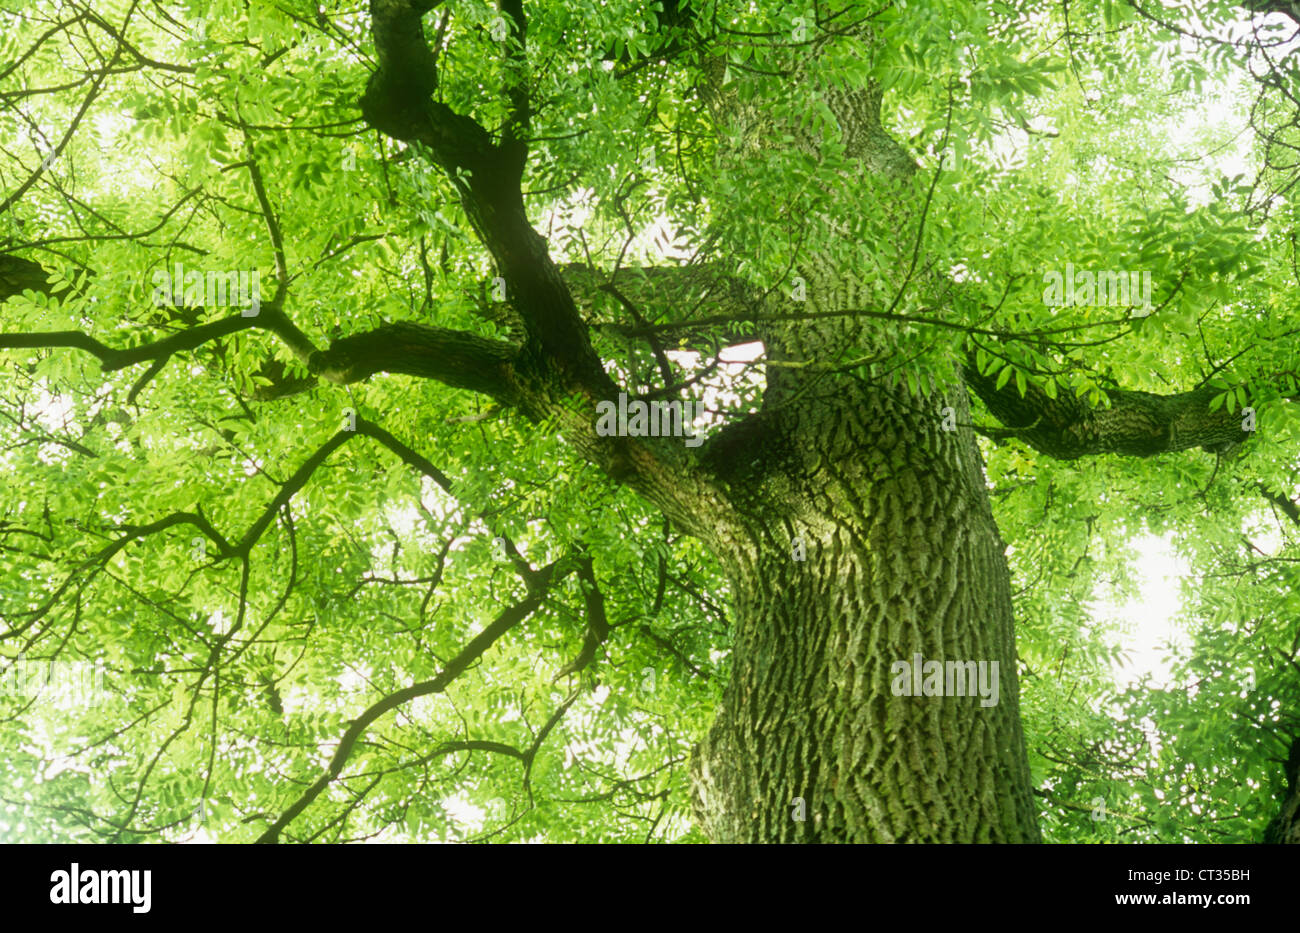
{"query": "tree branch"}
{"type": "Point", "coordinates": [597, 621]}
{"type": "Point", "coordinates": [487, 176]}
{"type": "Point", "coordinates": [112, 359]}
{"type": "Point", "coordinates": [504, 622]}
{"type": "Point", "coordinates": [1137, 424]}
{"type": "Point", "coordinates": [456, 358]}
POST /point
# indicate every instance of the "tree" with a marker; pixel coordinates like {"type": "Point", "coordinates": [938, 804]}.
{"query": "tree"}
{"type": "Point", "coordinates": [412, 542]}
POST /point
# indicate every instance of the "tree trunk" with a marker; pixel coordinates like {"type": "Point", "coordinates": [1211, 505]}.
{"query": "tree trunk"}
{"type": "Point", "coordinates": [902, 558]}
{"type": "Point", "coordinates": [1285, 827]}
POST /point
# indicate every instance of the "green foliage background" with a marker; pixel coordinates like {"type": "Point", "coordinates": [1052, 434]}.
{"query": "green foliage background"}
{"type": "Point", "coordinates": [372, 577]}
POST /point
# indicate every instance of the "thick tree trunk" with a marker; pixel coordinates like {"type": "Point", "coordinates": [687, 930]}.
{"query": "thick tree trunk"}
{"type": "Point", "coordinates": [1285, 827]}
{"type": "Point", "coordinates": [902, 558]}
{"type": "Point", "coordinates": [883, 494]}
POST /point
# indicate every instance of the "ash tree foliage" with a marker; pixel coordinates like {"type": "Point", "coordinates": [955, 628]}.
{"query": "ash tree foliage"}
{"type": "Point", "coordinates": [308, 531]}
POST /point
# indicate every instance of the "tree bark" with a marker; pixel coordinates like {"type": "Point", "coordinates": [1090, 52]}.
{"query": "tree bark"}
{"type": "Point", "coordinates": [1285, 827]}
{"type": "Point", "coordinates": [887, 501]}
{"type": "Point", "coordinates": [902, 558]}
{"type": "Point", "coordinates": [1136, 424]}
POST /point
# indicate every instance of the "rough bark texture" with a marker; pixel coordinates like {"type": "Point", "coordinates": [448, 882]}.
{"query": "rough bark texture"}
{"type": "Point", "coordinates": [902, 557]}
{"type": "Point", "coordinates": [458, 359]}
{"type": "Point", "coordinates": [1285, 827]}
{"type": "Point", "coordinates": [1139, 424]}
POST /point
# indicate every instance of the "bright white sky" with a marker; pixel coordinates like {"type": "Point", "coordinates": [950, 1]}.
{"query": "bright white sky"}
{"type": "Point", "coordinates": [1149, 619]}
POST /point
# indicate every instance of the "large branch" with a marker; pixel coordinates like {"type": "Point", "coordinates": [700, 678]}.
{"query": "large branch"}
{"type": "Point", "coordinates": [1137, 424]}
{"type": "Point", "coordinates": [557, 372]}
{"type": "Point", "coordinates": [18, 275]}
{"type": "Point", "coordinates": [456, 358]}
{"type": "Point", "coordinates": [398, 91]}
{"type": "Point", "coordinates": [398, 102]}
